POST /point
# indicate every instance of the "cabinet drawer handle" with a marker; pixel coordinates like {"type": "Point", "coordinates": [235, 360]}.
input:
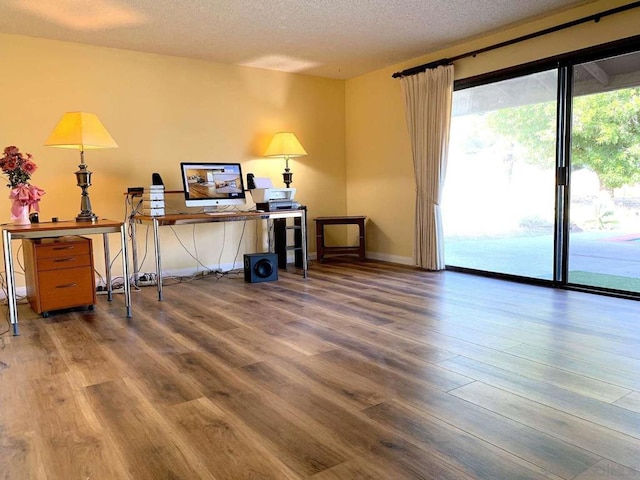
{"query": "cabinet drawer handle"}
{"type": "Point", "coordinates": [66, 259]}
{"type": "Point", "coordinates": [68, 285]}
{"type": "Point", "coordinates": [66, 247]}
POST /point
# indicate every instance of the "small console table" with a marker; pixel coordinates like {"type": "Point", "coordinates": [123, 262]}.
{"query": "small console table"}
{"type": "Point", "coordinates": [299, 215]}
{"type": "Point", "coordinates": [322, 249]}
{"type": "Point", "coordinates": [61, 229]}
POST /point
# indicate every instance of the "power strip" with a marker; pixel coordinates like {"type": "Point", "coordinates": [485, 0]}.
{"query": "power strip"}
{"type": "Point", "coordinates": [146, 280]}
{"type": "Point", "coordinates": [115, 290]}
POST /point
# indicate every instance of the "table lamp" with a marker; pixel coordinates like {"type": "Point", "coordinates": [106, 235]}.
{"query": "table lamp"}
{"type": "Point", "coordinates": [286, 145]}
{"type": "Point", "coordinates": [81, 131]}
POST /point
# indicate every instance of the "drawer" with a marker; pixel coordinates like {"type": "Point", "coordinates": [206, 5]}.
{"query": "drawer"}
{"type": "Point", "coordinates": [62, 247]}
{"type": "Point", "coordinates": [71, 287]}
{"type": "Point", "coordinates": [69, 260]}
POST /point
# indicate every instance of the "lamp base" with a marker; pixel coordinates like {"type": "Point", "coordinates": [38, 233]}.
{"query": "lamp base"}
{"type": "Point", "coordinates": [87, 217]}
{"type": "Point", "coordinates": [83, 178]}
{"type": "Point", "coordinates": [287, 176]}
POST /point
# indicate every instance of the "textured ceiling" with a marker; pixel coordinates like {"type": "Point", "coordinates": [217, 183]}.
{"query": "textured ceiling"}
{"type": "Point", "coordinates": [329, 38]}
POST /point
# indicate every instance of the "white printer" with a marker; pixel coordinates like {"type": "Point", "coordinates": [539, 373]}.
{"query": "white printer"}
{"type": "Point", "coordinates": [270, 199]}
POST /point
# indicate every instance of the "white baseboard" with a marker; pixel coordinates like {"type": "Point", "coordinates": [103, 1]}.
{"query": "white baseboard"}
{"type": "Point", "coordinates": [383, 257]}
{"type": "Point", "coordinates": [187, 272]}
{"type": "Point", "coordinates": [20, 292]}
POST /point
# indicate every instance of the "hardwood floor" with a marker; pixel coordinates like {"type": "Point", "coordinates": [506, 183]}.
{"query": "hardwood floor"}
{"type": "Point", "coordinates": [362, 371]}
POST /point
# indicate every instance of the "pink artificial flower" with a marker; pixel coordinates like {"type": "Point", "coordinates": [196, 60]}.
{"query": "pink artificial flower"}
{"type": "Point", "coordinates": [9, 165]}
{"type": "Point", "coordinates": [18, 168]}
{"type": "Point", "coordinates": [11, 150]}
{"type": "Point", "coordinates": [29, 167]}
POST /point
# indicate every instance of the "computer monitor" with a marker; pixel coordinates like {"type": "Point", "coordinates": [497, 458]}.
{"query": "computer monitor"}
{"type": "Point", "coordinates": [212, 185]}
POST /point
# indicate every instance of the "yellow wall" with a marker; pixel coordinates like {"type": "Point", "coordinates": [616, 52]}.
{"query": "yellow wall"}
{"type": "Point", "coordinates": [379, 167]}
{"type": "Point", "coordinates": [162, 110]}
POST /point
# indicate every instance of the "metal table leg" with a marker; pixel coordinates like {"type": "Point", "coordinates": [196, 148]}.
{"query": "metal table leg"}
{"type": "Point", "coordinates": [134, 252]}
{"type": "Point", "coordinates": [125, 269]}
{"type": "Point", "coordinates": [11, 281]}
{"type": "Point", "coordinates": [303, 230]}
{"type": "Point", "coordinates": [156, 246]}
{"type": "Point", "coordinates": [107, 265]}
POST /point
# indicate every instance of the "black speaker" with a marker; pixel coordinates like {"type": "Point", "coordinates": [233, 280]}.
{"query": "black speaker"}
{"type": "Point", "coordinates": [156, 179]}
{"type": "Point", "coordinates": [251, 182]}
{"type": "Point", "coordinates": [260, 267]}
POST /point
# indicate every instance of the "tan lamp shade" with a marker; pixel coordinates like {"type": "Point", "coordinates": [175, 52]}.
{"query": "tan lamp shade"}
{"type": "Point", "coordinates": [285, 144]}
{"type": "Point", "coordinates": [80, 131]}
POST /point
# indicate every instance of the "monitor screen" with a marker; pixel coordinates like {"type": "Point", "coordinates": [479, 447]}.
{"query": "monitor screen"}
{"type": "Point", "coordinates": [212, 184]}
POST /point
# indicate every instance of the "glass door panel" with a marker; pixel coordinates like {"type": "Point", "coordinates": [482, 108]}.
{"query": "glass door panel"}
{"type": "Point", "coordinates": [604, 238]}
{"type": "Point", "coordinates": [499, 196]}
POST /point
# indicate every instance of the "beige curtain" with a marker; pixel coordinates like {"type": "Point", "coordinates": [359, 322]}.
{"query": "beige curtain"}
{"type": "Point", "coordinates": [427, 99]}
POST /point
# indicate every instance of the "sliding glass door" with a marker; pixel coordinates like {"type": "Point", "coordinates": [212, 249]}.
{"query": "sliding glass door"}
{"type": "Point", "coordinates": [498, 200]}
{"type": "Point", "coordinates": [543, 179]}
{"type": "Point", "coordinates": [605, 175]}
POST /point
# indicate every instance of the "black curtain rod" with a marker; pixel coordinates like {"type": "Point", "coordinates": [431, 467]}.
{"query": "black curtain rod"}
{"type": "Point", "coordinates": [447, 61]}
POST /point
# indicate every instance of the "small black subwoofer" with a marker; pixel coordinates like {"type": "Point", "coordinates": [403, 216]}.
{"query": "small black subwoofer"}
{"type": "Point", "coordinates": [260, 267]}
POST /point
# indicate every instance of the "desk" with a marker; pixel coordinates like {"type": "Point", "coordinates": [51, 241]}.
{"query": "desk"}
{"type": "Point", "coordinates": [195, 218]}
{"type": "Point", "coordinates": [60, 229]}
{"type": "Point", "coordinates": [322, 249]}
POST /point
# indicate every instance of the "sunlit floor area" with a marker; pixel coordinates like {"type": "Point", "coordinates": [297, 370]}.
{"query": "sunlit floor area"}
{"type": "Point", "coordinates": [609, 259]}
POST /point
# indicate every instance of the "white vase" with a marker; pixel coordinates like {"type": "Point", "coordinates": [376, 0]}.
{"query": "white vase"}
{"type": "Point", "coordinates": [23, 217]}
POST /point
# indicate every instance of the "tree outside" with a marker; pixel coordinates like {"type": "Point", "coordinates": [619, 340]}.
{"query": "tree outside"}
{"type": "Point", "coordinates": [605, 134]}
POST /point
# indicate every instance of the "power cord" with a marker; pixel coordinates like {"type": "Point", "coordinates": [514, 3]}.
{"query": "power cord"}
{"type": "Point", "coordinates": [198, 262]}
{"type": "Point", "coordinates": [151, 278]}
{"type": "Point", "coordinates": [20, 300]}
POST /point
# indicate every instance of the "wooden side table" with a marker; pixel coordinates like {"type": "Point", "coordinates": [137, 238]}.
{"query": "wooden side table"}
{"type": "Point", "coordinates": [322, 249]}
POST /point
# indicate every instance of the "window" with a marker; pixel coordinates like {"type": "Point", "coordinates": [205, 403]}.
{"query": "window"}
{"type": "Point", "coordinates": [543, 179]}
